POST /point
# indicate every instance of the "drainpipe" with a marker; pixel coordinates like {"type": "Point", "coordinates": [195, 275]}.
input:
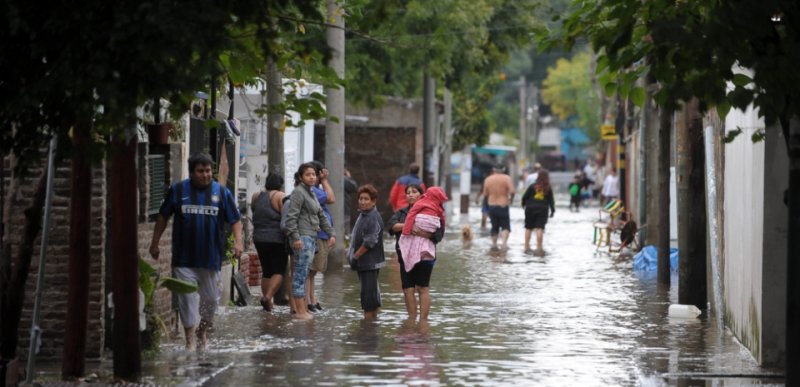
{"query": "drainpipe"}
{"type": "Point", "coordinates": [37, 304]}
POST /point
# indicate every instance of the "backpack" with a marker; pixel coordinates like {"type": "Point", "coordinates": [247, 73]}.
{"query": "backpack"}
{"type": "Point", "coordinates": [574, 189]}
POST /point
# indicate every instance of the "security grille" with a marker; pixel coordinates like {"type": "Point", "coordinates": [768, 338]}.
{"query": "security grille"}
{"type": "Point", "coordinates": [157, 167]}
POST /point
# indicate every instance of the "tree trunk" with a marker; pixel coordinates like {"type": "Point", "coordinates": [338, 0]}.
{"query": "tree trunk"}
{"type": "Point", "coordinates": [14, 275]}
{"type": "Point", "coordinates": [690, 172]}
{"type": "Point", "coordinates": [662, 227]}
{"type": "Point", "coordinates": [793, 263]}
{"type": "Point", "coordinates": [646, 173]}
{"type": "Point", "coordinates": [73, 360]}
{"type": "Point", "coordinates": [652, 170]}
{"type": "Point", "coordinates": [447, 132]}
{"type": "Point", "coordinates": [124, 256]}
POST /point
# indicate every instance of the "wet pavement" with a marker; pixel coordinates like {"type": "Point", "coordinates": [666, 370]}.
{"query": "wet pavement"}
{"type": "Point", "coordinates": [572, 317]}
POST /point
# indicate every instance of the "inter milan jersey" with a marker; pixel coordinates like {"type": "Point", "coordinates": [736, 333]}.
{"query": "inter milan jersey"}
{"type": "Point", "coordinates": [198, 239]}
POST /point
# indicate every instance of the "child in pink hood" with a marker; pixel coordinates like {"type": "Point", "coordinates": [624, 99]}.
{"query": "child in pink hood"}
{"type": "Point", "coordinates": [427, 215]}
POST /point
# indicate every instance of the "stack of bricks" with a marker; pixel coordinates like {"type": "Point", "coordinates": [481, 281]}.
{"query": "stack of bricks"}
{"type": "Point", "coordinates": [254, 279]}
{"type": "Point", "coordinates": [244, 265]}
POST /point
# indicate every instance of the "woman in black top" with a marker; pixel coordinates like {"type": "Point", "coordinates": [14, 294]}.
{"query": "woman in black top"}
{"type": "Point", "coordinates": [536, 200]}
{"type": "Point", "coordinates": [269, 239]}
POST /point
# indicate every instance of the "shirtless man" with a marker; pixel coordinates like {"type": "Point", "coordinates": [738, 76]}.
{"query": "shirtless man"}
{"type": "Point", "coordinates": [499, 190]}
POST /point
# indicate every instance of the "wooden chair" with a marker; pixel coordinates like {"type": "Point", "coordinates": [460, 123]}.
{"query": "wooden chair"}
{"type": "Point", "coordinates": [614, 228]}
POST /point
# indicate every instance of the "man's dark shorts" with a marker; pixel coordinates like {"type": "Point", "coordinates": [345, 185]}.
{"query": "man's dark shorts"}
{"type": "Point", "coordinates": [500, 219]}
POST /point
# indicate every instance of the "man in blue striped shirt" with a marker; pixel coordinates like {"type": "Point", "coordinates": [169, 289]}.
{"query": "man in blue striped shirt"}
{"type": "Point", "coordinates": [201, 206]}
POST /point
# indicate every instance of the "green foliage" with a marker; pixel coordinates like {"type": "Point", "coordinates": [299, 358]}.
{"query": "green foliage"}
{"type": "Point", "coordinates": [149, 281]}
{"type": "Point", "coordinates": [757, 136]}
{"type": "Point", "coordinates": [229, 242]}
{"type": "Point", "coordinates": [463, 42]}
{"type": "Point", "coordinates": [90, 65]}
{"type": "Point", "coordinates": [731, 135]}
{"type": "Point", "coordinates": [691, 48]}
{"type": "Point", "coordinates": [471, 116]}
{"type": "Point", "coordinates": [568, 89]}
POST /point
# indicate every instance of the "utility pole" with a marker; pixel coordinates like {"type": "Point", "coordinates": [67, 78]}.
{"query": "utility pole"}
{"type": "Point", "coordinates": [429, 131]}
{"type": "Point", "coordinates": [445, 138]}
{"type": "Point", "coordinates": [523, 122]}
{"type": "Point", "coordinates": [652, 168]}
{"type": "Point", "coordinates": [275, 161]}
{"type": "Point", "coordinates": [274, 120]}
{"type": "Point", "coordinates": [534, 122]}
{"type": "Point", "coordinates": [662, 180]}
{"type": "Point", "coordinates": [334, 130]}
{"type": "Point", "coordinates": [465, 181]}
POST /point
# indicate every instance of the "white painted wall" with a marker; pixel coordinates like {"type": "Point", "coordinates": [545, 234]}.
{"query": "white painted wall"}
{"type": "Point", "coordinates": [743, 224]}
{"type": "Point", "coordinates": [298, 145]}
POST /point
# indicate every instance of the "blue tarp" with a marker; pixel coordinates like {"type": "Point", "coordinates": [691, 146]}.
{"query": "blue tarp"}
{"type": "Point", "coordinates": [647, 259]}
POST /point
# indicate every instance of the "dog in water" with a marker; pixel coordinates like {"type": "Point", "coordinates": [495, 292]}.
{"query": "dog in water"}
{"type": "Point", "coordinates": [466, 235]}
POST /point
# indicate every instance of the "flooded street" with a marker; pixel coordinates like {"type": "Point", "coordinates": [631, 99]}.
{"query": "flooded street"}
{"type": "Point", "coordinates": [572, 317]}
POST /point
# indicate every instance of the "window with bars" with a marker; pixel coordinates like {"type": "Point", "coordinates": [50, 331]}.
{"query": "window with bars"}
{"type": "Point", "coordinates": [157, 169]}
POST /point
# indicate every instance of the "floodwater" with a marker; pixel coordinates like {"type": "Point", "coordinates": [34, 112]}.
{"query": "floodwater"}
{"type": "Point", "coordinates": [570, 318]}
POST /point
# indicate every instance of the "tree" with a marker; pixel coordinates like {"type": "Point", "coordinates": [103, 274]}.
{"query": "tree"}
{"type": "Point", "coordinates": [82, 70]}
{"type": "Point", "coordinates": [692, 49]}
{"type": "Point", "coordinates": [568, 90]}
{"type": "Point", "coordinates": [463, 42]}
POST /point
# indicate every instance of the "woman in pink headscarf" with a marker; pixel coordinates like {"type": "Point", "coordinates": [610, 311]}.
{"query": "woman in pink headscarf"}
{"type": "Point", "coordinates": [425, 217]}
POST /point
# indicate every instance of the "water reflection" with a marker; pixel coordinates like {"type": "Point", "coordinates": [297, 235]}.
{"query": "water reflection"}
{"type": "Point", "coordinates": [572, 317]}
{"type": "Point", "coordinates": [414, 346]}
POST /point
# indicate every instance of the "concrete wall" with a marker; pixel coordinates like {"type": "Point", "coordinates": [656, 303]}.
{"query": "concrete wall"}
{"type": "Point", "coordinates": [744, 229]}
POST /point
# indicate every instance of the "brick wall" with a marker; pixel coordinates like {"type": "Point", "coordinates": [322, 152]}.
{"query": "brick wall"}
{"type": "Point", "coordinates": [54, 295]}
{"type": "Point", "coordinates": [379, 147]}
{"type": "Point", "coordinates": [243, 265]}
{"type": "Point", "coordinates": [55, 290]}
{"type": "Point", "coordinates": [254, 274]}
{"type": "Point", "coordinates": [163, 297]}
{"type": "Point", "coordinates": [375, 155]}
